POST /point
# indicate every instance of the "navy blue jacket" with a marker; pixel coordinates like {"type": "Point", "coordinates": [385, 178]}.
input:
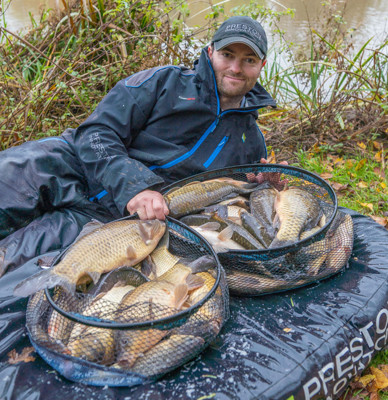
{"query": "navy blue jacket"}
{"type": "Point", "coordinates": [161, 125]}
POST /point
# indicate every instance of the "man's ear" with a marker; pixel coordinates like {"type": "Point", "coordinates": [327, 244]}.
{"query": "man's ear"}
{"type": "Point", "coordinates": [210, 51]}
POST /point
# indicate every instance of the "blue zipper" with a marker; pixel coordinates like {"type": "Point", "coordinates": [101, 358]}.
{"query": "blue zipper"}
{"type": "Point", "coordinates": [98, 196]}
{"type": "Point", "coordinates": [216, 151]}
{"type": "Point", "coordinates": [209, 130]}
{"type": "Point", "coordinates": [189, 153]}
{"type": "Point", "coordinates": [53, 138]}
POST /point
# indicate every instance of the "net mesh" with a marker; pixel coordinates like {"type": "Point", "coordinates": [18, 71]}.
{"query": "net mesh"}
{"type": "Point", "coordinates": [148, 338]}
{"type": "Point", "coordinates": [291, 254]}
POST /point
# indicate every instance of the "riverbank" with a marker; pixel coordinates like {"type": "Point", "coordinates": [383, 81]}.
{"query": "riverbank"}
{"type": "Point", "coordinates": [332, 116]}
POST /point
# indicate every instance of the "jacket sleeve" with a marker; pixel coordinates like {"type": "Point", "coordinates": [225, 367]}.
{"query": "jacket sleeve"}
{"type": "Point", "coordinates": [101, 142]}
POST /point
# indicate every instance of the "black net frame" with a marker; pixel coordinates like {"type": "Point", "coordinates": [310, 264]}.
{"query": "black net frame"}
{"type": "Point", "coordinates": [193, 327]}
{"type": "Point", "coordinates": [247, 270]}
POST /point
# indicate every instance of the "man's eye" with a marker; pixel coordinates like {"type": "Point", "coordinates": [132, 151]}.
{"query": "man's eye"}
{"type": "Point", "coordinates": [250, 60]}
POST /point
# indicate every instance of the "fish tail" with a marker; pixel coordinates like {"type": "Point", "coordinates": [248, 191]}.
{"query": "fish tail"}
{"type": "Point", "coordinates": [202, 264]}
{"type": "Point", "coordinates": [42, 280]}
{"type": "Point", "coordinates": [280, 243]}
{"type": "Point", "coordinates": [180, 294]}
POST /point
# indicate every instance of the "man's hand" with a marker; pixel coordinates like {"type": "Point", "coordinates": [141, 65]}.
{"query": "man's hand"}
{"type": "Point", "coordinates": [272, 177]}
{"type": "Point", "coordinates": [149, 205]}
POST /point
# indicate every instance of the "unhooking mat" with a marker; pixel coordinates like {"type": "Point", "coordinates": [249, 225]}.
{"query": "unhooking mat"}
{"type": "Point", "coordinates": [302, 344]}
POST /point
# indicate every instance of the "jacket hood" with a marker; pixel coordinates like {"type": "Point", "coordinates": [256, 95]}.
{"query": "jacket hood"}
{"type": "Point", "coordinates": [256, 98]}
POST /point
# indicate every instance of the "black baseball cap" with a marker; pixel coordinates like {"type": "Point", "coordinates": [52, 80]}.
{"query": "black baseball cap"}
{"type": "Point", "coordinates": [242, 30]}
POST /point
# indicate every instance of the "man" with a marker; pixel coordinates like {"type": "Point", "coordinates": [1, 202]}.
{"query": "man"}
{"type": "Point", "coordinates": [153, 128]}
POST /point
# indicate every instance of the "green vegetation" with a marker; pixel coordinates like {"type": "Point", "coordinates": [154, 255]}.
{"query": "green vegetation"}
{"type": "Point", "coordinates": [332, 117]}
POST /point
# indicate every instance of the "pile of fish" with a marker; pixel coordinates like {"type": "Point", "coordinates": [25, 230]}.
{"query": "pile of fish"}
{"type": "Point", "coordinates": [236, 215]}
{"type": "Point", "coordinates": [123, 272]}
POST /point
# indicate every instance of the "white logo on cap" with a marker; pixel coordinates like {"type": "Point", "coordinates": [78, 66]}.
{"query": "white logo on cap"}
{"type": "Point", "coordinates": [243, 28]}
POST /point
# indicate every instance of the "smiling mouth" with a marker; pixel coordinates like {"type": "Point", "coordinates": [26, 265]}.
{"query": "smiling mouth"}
{"type": "Point", "coordinates": [234, 78]}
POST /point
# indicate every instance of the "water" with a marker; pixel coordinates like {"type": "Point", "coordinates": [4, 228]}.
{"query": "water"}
{"type": "Point", "coordinates": [367, 17]}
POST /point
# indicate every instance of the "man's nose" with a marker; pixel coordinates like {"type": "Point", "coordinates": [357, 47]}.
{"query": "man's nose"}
{"type": "Point", "coordinates": [236, 66]}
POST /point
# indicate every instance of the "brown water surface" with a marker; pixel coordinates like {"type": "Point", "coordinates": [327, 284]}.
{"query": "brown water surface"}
{"type": "Point", "coordinates": [367, 17]}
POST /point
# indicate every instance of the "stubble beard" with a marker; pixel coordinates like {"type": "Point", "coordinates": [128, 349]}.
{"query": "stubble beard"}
{"type": "Point", "coordinates": [230, 92]}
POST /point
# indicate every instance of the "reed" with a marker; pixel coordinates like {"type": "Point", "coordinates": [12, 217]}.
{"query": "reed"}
{"type": "Point", "coordinates": [53, 76]}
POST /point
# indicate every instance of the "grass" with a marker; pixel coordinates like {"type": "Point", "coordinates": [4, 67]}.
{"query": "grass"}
{"type": "Point", "coordinates": [360, 180]}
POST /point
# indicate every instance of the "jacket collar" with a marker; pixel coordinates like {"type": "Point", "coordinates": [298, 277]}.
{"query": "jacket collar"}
{"type": "Point", "coordinates": [256, 98]}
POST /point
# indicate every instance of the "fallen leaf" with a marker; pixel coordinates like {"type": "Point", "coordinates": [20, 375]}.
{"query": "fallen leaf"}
{"type": "Point", "coordinates": [381, 379]}
{"type": "Point", "coordinates": [349, 163]}
{"type": "Point", "coordinates": [383, 185]}
{"type": "Point", "coordinates": [367, 205]}
{"type": "Point", "coordinates": [378, 155]}
{"type": "Point", "coordinates": [380, 220]}
{"type": "Point", "coordinates": [362, 184]}
{"type": "Point", "coordinates": [272, 158]}
{"type": "Point", "coordinates": [366, 379]}
{"type": "Point", "coordinates": [384, 368]}
{"type": "Point", "coordinates": [376, 145]}
{"type": "Point", "coordinates": [360, 164]}
{"type": "Point", "coordinates": [380, 172]}
{"type": "Point", "coordinates": [287, 330]}
{"type": "Point", "coordinates": [361, 145]}
{"type": "Point", "coordinates": [338, 161]}
{"type": "Point", "coordinates": [326, 175]}
{"type": "Point", "coordinates": [339, 187]}
{"type": "Point", "coordinates": [24, 356]}
{"type": "Point", "coordinates": [374, 396]}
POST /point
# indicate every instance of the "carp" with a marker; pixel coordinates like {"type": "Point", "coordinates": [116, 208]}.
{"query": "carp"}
{"type": "Point", "coordinates": [262, 203]}
{"type": "Point", "coordinates": [195, 196]}
{"type": "Point", "coordinates": [296, 210]}
{"type": "Point", "coordinates": [97, 344]}
{"type": "Point", "coordinates": [168, 354]}
{"type": "Point", "coordinates": [111, 245]}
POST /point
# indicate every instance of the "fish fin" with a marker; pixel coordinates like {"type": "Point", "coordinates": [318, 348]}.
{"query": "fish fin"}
{"type": "Point", "coordinates": [280, 243]}
{"type": "Point", "coordinates": [41, 280]}
{"type": "Point", "coordinates": [131, 253]}
{"type": "Point", "coordinates": [322, 221]}
{"type": "Point", "coordinates": [172, 190]}
{"type": "Point", "coordinates": [220, 249]}
{"type": "Point", "coordinates": [202, 264]}
{"type": "Point", "coordinates": [99, 296]}
{"type": "Point", "coordinates": [193, 183]}
{"type": "Point", "coordinates": [210, 226]}
{"type": "Point", "coordinates": [145, 231]}
{"type": "Point", "coordinates": [194, 282]}
{"type": "Point", "coordinates": [222, 211]}
{"type": "Point", "coordinates": [165, 240]}
{"type": "Point", "coordinates": [94, 275]}
{"type": "Point", "coordinates": [87, 228]}
{"type": "Point", "coordinates": [226, 233]}
{"type": "Point", "coordinates": [148, 267]}
{"type": "Point", "coordinates": [180, 294]}
{"type": "Point", "coordinates": [2, 262]}
{"type": "Point", "coordinates": [249, 185]}
{"type": "Point", "coordinates": [45, 262]}
{"type": "Point", "coordinates": [276, 221]}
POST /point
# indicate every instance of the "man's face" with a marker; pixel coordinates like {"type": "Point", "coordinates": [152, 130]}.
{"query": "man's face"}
{"type": "Point", "coordinates": [237, 69]}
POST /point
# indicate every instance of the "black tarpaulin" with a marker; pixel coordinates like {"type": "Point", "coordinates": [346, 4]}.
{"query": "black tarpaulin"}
{"type": "Point", "coordinates": [306, 343]}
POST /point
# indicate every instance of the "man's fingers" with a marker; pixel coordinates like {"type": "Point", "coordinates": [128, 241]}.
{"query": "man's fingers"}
{"type": "Point", "coordinates": [251, 177]}
{"type": "Point", "coordinates": [158, 209]}
{"type": "Point", "coordinates": [141, 212]}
